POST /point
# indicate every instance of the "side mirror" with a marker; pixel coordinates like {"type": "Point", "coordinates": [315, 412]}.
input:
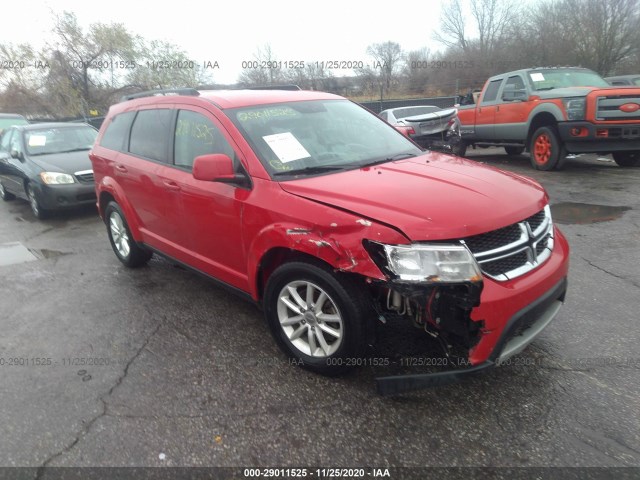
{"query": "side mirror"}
{"type": "Point", "coordinates": [16, 154]}
{"type": "Point", "coordinates": [216, 167]}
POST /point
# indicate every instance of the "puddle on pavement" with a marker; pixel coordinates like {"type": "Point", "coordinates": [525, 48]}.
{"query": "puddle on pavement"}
{"type": "Point", "coordinates": [569, 213]}
{"type": "Point", "coordinates": [14, 252]}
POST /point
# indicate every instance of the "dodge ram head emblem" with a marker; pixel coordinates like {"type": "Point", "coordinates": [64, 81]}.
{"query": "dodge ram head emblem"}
{"type": "Point", "coordinates": [629, 107]}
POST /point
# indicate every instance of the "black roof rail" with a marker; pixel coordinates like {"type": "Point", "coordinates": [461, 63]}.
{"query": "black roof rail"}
{"type": "Point", "coordinates": [275, 87]}
{"type": "Point", "coordinates": [166, 91]}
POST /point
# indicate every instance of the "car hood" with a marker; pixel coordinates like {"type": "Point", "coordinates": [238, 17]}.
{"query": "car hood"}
{"type": "Point", "coordinates": [70, 162]}
{"type": "Point", "coordinates": [567, 92]}
{"type": "Point", "coordinates": [430, 197]}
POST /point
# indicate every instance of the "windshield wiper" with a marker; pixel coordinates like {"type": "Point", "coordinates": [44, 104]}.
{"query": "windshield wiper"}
{"type": "Point", "coordinates": [399, 156]}
{"type": "Point", "coordinates": [544, 88]}
{"type": "Point", "coordinates": [312, 169]}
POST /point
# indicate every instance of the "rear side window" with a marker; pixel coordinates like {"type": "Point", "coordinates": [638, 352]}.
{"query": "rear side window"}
{"type": "Point", "coordinates": [492, 91]}
{"type": "Point", "coordinates": [150, 136]}
{"type": "Point", "coordinates": [197, 135]}
{"type": "Point", "coordinates": [117, 132]}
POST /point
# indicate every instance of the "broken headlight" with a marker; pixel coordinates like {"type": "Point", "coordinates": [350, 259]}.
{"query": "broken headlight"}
{"type": "Point", "coordinates": [442, 263]}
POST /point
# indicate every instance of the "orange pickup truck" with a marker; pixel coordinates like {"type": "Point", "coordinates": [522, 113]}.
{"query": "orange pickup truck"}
{"type": "Point", "coordinates": [552, 112]}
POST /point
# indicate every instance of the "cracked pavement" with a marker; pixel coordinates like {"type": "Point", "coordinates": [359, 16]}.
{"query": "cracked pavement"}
{"type": "Point", "coordinates": [186, 370]}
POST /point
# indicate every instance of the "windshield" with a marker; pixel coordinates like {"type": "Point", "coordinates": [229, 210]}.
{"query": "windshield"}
{"type": "Point", "coordinates": [561, 78]}
{"type": "Point", "coordinates": [314, 137]}
{"type": "Point", "coordinates": [10, 122]}
{"type": "Point", "coordinates": [413, 111]}
{"type": "Point", "coordinates": [636, 81]}
{"type": "Point", "coordinates": [59, 139]}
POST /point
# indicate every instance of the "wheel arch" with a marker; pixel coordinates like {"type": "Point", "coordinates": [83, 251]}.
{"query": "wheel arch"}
{"type": "Point", "coordinates": [109, 191]}
{"type": "Point", "coordinates": [545, 115]}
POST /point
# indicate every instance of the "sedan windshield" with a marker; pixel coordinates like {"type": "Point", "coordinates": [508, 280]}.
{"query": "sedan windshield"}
{"type": "Point", "coordinates": [317, 137]}
{"type": "Point", "coordinates": [59, 139]}
{"type": "Point", "coordinates": [564, 77]}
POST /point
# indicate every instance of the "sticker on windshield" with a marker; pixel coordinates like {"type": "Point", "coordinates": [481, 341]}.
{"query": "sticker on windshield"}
{"type": "Point", "coordinates": [286, 147]}
{"type": "Point", "coordinates": [37, 140]}
{"type": "Point", "coordinates": [537, 77]}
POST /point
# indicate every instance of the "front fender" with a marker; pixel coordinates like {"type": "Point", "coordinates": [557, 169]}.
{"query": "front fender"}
{"type": "Point", "coordinates": [339, 245]}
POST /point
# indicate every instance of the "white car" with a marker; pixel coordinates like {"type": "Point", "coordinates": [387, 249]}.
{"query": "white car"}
{"type": "Point", "coordinates": [429, 126]}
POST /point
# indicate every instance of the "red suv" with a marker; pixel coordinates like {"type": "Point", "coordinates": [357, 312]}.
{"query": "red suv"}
{"type": "Point", "coordinates": [332, 221]}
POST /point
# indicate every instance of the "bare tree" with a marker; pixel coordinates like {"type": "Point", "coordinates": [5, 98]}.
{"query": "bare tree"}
{"type": "Point", "coordinates": [264, 69]}
{"type": "Point", "coordinates": [453, 26]}
{"type": "Point", "coordinates": [387, 57]}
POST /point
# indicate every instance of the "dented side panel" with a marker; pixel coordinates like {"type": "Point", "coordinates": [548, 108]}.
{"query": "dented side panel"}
{"type": "Point", "coordinates": [305, 226]}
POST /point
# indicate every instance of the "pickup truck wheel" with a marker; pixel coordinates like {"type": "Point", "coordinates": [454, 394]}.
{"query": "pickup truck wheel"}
{"type": "Point", "coordinates": [316, 317]}
{"type": "Point", "coordinates": [627, 159]}
{"type": "Point", "coordinates": [514, 150]}
{"type": "Point", "coordinates": [547, 153]}
{"type": "Point", "coordinates": [123, 244]}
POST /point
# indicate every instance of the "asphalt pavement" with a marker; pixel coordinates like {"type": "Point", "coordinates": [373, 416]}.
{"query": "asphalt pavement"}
{"type": "Point", "coordinates": [105, 366]}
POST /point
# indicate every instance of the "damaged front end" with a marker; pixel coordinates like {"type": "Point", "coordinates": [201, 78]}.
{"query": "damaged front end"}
{"type": "Point", "coordinates": [435, 286]}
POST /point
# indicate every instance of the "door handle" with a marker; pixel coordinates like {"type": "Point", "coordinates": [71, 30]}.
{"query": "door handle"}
{"type": "Point", "coordinates": [171, 185]}
{"type": "Point", "coordinates": [121, 168]}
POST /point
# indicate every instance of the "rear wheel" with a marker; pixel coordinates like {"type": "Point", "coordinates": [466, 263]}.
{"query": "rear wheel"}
{"type": "Point", "coordinates": [39, 212]}
{"type": "Point", "coordinates": [316, 317]}
{"type": "Point", "coordinates": [123, 244]}
{"type": "Point", "coordinates": [547, 152]}
{"type": "Point", "coordinates": [627, 159]}
{"type": "Point", "coordinates": [514, 150]}
{"type": "Point", "coordinates": [6, 196]}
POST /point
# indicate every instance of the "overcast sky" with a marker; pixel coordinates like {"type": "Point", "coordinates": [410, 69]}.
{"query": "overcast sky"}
{"type": "Point", "coordinates": [231, 31]}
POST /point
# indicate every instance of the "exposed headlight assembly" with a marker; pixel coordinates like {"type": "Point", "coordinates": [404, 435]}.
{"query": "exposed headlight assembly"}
{"type": "Point", "coordinates": [432, 263]}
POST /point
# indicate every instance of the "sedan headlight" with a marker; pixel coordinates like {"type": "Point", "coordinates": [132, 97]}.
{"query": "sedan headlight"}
{"type": "Point", "coordinates": [55, 178]}
{"type": "Point", "coordinates": [442, 263]}
{"type": "Point", "coordinates": [575, 108]}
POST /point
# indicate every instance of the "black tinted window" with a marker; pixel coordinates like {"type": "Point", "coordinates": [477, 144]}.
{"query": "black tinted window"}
{"type": "Point", "coordinates": [117, 131]}
{"type": "Point", "coordinates": [197, 135]}
{"type": "Point", "coordinates": [150, 134]}
{"type": "Point", "coordinates": [492, 91]}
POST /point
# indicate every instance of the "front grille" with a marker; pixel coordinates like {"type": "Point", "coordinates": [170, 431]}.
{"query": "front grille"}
{"type": "Point", "coordinates": [608, 108]}
{"type": "Point", "coordinates": [85, 176]}
{"type": "Point", "coordinates": [512, 251]}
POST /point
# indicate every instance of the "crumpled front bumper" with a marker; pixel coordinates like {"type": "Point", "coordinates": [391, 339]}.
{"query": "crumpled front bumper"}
{"type": "Point", "coordinates": [519, 332]}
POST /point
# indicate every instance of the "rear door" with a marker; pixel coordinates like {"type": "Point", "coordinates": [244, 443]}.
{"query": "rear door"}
{"type": "Point", "coordinates": [154, 198]}
{"type": "Point", "coordinates": [486, 111]}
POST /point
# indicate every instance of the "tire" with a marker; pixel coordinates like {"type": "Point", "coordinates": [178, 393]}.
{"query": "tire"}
{"type": "Point", "coordinates": [546, 150]}
{"type": "Point", "coordinates": [123, 244]}
{"type": "Point", "coordinates": [6, 196]}
{"type": "Point", "coordinates": [339, 320]}
{"type": "Point", "coordinates": [459, 149]}
{"type": "Point", "coordinates": [627, 159]}
{"type": "Point", "coordinates": [514, 150]}
{"type": "Point", "coordinates": [39, 212]}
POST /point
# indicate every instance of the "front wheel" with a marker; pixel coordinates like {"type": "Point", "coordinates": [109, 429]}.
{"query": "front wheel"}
{"type": "Point", "coordinates": [546, 150]}
{"type": "Point", "coordinates": [316, 317]}
{"type": "Point", "coordinates": [39, 212]}
{"type": "Point", "coordinates": [6, 196]}
{"type": "Point", "coordinates": [123, 244]}
{"type": "Point", "coordinates": [627, 159]}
